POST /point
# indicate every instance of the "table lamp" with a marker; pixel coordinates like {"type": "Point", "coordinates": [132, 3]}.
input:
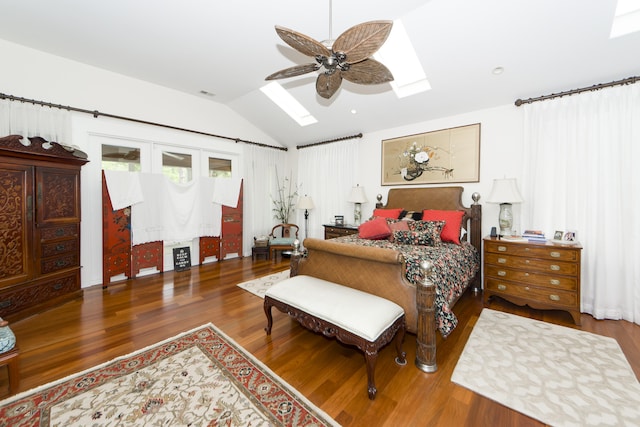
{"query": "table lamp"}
{"type": "Point", "coordinates": [505, 191]}
{"type": "Point", "coordinates": [306, 203]}
{"type": "Point", "coordinates": [358, 197]}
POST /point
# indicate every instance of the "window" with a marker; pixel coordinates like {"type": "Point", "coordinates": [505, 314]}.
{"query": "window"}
{"type": "Point", "coordinates": [177, 166]}
{"type": "Point", "coordinates": [120, 158]}
{"type": "Point", "coordinates": [219, 168]}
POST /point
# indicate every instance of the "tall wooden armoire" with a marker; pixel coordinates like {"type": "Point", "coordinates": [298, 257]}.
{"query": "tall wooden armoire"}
{"type": "Point", "coordinates": [39, 225]}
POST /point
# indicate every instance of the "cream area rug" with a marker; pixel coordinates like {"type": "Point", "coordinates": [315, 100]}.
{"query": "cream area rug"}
{"type": "Point", "coordinates": [557, 375]}
{"type": "Point", "coordinates": [199, 378]}
{"type": "Point", "coordinates": [260, 285]}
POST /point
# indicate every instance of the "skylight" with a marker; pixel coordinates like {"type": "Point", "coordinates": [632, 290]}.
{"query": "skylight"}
{"type": "Point", "coordinates": [626, 19]}
{"type": "Point", "coordinates": [399, 56]}
{"type": "Point", "coordinates": [288, 104]}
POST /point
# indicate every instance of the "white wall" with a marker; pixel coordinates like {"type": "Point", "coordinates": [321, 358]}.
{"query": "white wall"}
{"type": "Point", "coordinates": [501, 142]}
{"type": "Point", "coordinates": [28, 73]}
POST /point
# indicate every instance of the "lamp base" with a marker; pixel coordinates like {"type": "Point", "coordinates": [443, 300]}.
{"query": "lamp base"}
{"type": "Point", "coordinates": [505, 219]}
{"type": "Point", "coordinates": [357, 214]}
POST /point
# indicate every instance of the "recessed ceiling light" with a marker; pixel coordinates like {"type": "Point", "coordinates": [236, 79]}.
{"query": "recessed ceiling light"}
{"type": "Point", "coordinates": [498, 70]}
{"type": "Point", "coordinates": [354, 111]}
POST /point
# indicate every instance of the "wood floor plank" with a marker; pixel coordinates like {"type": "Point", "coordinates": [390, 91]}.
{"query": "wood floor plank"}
{"type": "Point", "coordinates": [133, 314]}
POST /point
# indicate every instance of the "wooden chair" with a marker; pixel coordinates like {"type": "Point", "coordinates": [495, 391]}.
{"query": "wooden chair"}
{"type": "Point", "coordinates": [282, 237]}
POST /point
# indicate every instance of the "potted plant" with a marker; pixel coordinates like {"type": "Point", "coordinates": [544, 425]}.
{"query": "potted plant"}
{"type": "Point", "coordinates": [284, 202]}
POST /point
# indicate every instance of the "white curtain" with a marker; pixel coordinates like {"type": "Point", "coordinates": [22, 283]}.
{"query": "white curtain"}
{"type": "Point", "coordinates": [21, 118]}
{"type": "Point", "coordinates": [580, 174]}
{"type": "Point", "coordinates": [259, 184]}
{"type": "Point", "coordinates": [327, 173]}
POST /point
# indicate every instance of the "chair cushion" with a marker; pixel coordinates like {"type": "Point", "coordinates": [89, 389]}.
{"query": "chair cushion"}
{"type": "Point", "coordinates": [281, 241]}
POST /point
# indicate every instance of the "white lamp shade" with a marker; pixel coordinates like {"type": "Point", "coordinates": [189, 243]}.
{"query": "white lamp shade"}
{"type": "Point", "coordinates": [357, 195]}
{"type": "Point", "coordinates": [505, 190]}
{"type": "Point", "coordinates": [305, 202]}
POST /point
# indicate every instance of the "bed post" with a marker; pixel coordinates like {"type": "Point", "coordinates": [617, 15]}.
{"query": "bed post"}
{"type": "Point", "coordinates": [476, 236]}
{"type": "Point", "coordinates": [426, 336]}
{"type": "Point", "coordinates": [296, 255]}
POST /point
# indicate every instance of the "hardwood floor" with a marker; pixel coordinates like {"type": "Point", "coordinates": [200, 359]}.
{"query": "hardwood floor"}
{"type": "Point", "coordinates": [130, 315]}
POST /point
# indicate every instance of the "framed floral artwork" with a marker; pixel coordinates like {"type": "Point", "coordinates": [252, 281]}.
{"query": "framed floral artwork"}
{"type": "Point", "coordinates": [443, 156]}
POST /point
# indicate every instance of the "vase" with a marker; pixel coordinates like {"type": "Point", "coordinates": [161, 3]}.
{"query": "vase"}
{"type": "Point", "coordinates": [7, 338]}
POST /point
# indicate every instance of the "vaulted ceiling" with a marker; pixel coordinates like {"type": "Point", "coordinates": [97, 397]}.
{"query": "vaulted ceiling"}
{"type": "Point", "coordinates": [228, 48]}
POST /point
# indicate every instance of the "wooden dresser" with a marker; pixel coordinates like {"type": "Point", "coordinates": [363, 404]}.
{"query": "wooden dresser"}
{"type": "Point", "coordinates": [331, 231]}
{"type": "Point", "coordinates": [39, 225]}
{"type": "Point", "coordinates": [540, 275]}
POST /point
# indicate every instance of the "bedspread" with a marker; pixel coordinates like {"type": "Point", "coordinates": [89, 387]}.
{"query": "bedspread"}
{"type": "Point", "coordinates": [454, 267]}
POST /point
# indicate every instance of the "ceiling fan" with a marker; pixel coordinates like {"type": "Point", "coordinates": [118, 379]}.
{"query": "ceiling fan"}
{"type": "Point", "coordinates": [348, 57]}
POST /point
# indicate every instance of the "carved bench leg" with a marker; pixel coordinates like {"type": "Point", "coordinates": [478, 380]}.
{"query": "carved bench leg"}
{"type": "Point", "coordinates": [401, 359]}
{"type": "Point", "coordinates": [267, 311]}
{"type": "Point", "coordinates": [371, 357]}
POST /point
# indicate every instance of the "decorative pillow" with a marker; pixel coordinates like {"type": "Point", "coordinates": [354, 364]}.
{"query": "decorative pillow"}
{"type": "Point", "coordinates": [453, 223]}
{"type": "Point", "coordinates": [397, 225]}
{"type": "Point", "coordinates": [375, 229]}
{"type": "Point", "coordinates": [387, 213]}
{"type": "Point", "coordinates": [430, 231]}
{"type": "Point", "coordinates": [407, 215]}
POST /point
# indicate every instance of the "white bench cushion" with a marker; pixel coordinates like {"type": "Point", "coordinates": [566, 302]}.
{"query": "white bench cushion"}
{"type": "Point", "coordinates": [363, 314]}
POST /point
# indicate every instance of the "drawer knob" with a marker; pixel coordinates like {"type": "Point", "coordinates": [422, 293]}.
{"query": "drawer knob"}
{"type": "Point", "coordinates": [526, 288]}
{"type": "Point", "coordinates": [502, 273]}
{"type": "Point", "coordinates": [555, 254]}
{"type": "Point", "coordinates": [57, 286]}
{"type": "Point", "coordinates": [526, 274]}
{"type": "Point", "coordinates": [554, 281]}
{"type": "Point", "coordinates": [502, 248]}
{"type": "Point", "coordinates": [502, 260]}
{"type": "Point", "coordinates": [502, 287]}
{"type": "Point", "coordinates": [554, 267]}
{"type": "Point", "coordinates": [554, 297]}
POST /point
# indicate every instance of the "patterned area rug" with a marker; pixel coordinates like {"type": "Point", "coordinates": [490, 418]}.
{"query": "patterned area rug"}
{"type": "Point", "coordinates": [199, 378]}
{"type": "Point", "coordinates": [260, 285]}
{"type": "Point", "coordinates": [557, 375]}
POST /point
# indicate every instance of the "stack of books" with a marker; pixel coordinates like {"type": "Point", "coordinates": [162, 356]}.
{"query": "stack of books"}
{"type": "Point", "coordinates": [534, 236]}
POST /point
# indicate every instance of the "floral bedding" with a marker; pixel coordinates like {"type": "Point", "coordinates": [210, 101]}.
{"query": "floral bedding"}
{"type": "Point", "coordinates": [454, 267]}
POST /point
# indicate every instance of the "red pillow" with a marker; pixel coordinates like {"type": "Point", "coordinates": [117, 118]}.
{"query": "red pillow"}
{"type": "Point", "coordinates": [388, 213]}
{"type": "Point", "coordinates": [375, 229]}
{"type": "Point", "coordinates": [453, 222]}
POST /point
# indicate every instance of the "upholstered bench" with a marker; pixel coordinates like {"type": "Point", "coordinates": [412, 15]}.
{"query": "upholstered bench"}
{"type": "Point", "coordinates": [352, 316]}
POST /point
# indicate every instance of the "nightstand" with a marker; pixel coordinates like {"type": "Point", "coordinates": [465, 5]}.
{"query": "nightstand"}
{"type": "Point", "coordinates": [540, 275]}
{"type": "Point", "coordinates": [331, 230]}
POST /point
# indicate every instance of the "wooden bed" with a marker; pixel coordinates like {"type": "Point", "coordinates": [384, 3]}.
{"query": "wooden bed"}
{"type": "Point", "coordinates": [382, 271]}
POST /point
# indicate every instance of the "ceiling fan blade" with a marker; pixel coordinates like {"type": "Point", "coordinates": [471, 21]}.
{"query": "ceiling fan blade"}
{"type": "Point", "coordinates": [363, 40]}
{"type": "Point", "coordinates": [368, 72]}
{"type": "Point", "coordinates": [303, 44]}
{"type": "Point", "coordinates": [328, 84]}
{"type": "Point", "coordinates": [296, 70]}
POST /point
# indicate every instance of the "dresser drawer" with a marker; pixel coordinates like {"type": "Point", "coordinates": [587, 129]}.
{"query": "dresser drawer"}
{"type": "Point", "coordinates": [18, 298]}
{"type": "Point", "coordinates": [50, 249]}
{"type": "Point", "coordinates": [64, 231]}
{"type": "Point", "coordinates": [550, 281]}
{"type": "Point", "coordinates": [532, 251]}
{"type": "Point", "coordinates": [61, 262]}
{"type": "Point", "coordinates": [332, 232]}
{"type": "Point", "coordinates": [542, 295]}
{"type": "Point", "coordinates": [532, 264]}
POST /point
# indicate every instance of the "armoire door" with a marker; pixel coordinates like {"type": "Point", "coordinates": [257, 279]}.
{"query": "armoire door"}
{"type": "Point", "coordinates": [16, 223]}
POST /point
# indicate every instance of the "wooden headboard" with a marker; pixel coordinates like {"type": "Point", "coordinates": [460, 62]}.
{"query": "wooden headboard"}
{"type": "Point", "coordinates": [444, 198]}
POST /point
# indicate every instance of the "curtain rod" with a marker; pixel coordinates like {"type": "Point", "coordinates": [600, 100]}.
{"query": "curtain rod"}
{"type": "Point", "coordinates": [96, 114]}
{"type": "Point", "coordinates": [328, 141]}
{"type": "Point", "coordinates": [627, 81]}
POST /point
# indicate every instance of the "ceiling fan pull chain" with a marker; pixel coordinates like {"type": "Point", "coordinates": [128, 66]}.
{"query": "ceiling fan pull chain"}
{"type": "Point", "coordinates": [331, 20]}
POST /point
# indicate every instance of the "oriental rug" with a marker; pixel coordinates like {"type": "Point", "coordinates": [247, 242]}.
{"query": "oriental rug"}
{"type": "Point", "coordinates": [199, 378]}
{"type": "Point", "coordinates": [555, 374]}
{"type": "Point", "coordinates": [260, 285]}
